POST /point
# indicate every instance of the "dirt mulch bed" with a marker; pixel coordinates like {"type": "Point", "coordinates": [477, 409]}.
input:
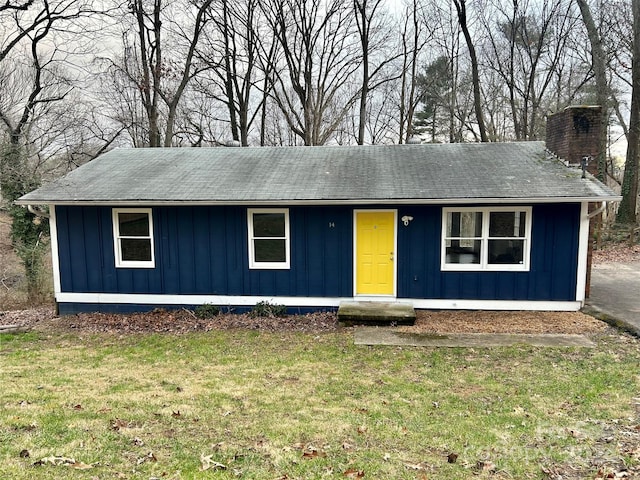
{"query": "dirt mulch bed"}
{"type": "Point", "coordinates": [165, 321]}
{"type": "Point", "coordinates": [505, 322]}
{"type": "Point", "coordinates": [184, 321]}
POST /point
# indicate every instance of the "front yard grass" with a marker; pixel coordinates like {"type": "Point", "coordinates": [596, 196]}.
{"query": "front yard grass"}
{"type": "Point", "coordinates": [255, 405]}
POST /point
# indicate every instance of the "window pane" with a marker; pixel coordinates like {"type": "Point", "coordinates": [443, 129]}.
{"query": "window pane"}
{"type": "Point", "coordinates": [468, 251]}
{"type": "Point", "coordinates": [506, 224]}
{"type": "Point", "coordinates": [133, 224]}
{"type": "Point", "coordinates": [268, 224]}
{"type": "Point", "coordinates": [464, 224]}
{"type": "Point", "coordinates": [506, 251]}
{"type": "Point", "coordinates": [269, 251]}
{"type": "Point", "coordinates": [135, 250]}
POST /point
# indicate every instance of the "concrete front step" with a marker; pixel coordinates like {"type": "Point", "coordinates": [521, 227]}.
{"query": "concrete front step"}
{"type": "Point", "coordinates": [376, 313]}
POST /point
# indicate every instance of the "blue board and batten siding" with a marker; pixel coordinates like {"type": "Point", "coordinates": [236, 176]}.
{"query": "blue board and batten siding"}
{"type": "Point", "coordinates": [203, 250]}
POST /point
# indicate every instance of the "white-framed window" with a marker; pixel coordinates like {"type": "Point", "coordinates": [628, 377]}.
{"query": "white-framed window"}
{"type": "Point", "coordinates": [268, 238]}
{"type": "Point", "coordinates": [133, 237]}
{"type": "Point", "coordinates": [490, 238]}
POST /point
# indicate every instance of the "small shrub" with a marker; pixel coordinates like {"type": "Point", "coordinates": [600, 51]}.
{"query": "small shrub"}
{"type": "Point", "coordinates": [207, 311]}
{"type": "Point", "coordinates": [266, 309]}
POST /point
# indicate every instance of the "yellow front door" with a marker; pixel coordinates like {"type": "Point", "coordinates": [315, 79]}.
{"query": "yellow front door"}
{"type": "Point", "coordinates": [375, 241]}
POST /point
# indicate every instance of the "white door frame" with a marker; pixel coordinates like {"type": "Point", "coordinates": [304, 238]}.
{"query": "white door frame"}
{"type": "Point", "coordinates": [373, 297]}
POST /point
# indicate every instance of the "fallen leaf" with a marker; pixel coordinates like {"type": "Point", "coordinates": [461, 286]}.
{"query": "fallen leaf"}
{"type": "Point", "coordinates": [149, 457]}
{"type": "Point", "coordinates": [347, 446]}
{"type": "Point", "coordinates": [137, 442]}
{"type": "Point", "coordinates": [351, 473]}
{"type": "Point", "coordinates": [77, 407]}
{"type": "Point", "coordinates": [386, 457]}
{"type": "Point", "coordinates": [118, 424]}
{"type": "Point", "coordinates": [362, 429]}
{"type": "Point", "coordinates": [80, 466]}
{"type": "Point", "coordinates": [452, 457]}
{"type": "Point", "coordinates": [24, 453]}
{"type": "Point", "coordinates": [175, 414]}
{"type": "Point", "coordinates": [312, 452]}
{"type": "Point", "coordinates": [62, 461]}
{"type": "Point", "coordinates": [208, 463]}
{"type": "Point", "coordinates": [416, 466]}
{"type": "Point", "coordinates": [31, 427]}
{"type": "Point", "coordinates": [486, 466]}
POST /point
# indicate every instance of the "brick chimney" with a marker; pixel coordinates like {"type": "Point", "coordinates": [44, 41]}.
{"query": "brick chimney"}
{"type": "Point", "coordinates": [573, 134]}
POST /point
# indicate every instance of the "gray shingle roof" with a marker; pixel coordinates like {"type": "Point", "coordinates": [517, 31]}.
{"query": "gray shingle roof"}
{"type": "Point", "coordinates": [357, 174]}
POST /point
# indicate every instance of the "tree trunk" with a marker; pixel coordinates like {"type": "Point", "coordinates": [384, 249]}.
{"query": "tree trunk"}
{"type": "Point", "coordinates": [477, 98]}
{"type": "Point", "coordinates": [599, 65]}
{"type": "Point", "coordinates": [627, 210]}
{"type": "Point", "coordinates": [361, 10]}
{"type": "Point", "coordinates": [414, 69]}
{"type": "Point", "coordinates": [228, 82]}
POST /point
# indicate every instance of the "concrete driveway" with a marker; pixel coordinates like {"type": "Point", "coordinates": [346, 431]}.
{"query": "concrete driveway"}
{"type": "Point", "coordinates": [615, 292]}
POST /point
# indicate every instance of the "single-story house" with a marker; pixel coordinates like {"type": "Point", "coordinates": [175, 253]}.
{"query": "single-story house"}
{"type": "Point", "coordinates": [448, 226]}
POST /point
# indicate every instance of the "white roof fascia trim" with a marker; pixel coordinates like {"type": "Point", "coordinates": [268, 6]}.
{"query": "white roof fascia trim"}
{"type": "Point", "coordinates": [435, 201]}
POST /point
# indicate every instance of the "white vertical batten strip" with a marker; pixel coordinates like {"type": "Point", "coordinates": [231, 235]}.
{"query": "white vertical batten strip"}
{"type": "Point", "coordinates": [55, 259]}
{"type": "Point", "coordinates": [583, 249]}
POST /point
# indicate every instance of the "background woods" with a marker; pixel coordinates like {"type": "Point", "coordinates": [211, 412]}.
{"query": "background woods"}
{"type": "Point", "coordinates": [78, 77]}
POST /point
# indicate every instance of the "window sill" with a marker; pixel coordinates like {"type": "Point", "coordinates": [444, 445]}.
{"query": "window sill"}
{"type": "Point", "coordinates": [270, 266]}
{"type": "Point", "coordinates": [136, 265]}
{"type": "Point", "coordinates": [479, 268]}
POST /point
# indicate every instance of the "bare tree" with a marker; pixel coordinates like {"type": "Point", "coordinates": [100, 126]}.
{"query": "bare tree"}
{"type": "Point", "coordinates": [413, 39]}
{"type": "Point", "coordinates": [446, 39]}
{"type": "Point", "coordinates": [627, 213]}
{"type": "Point", "coordinates": [317, 59]}
{"type": "Point", "coordinates": [599, 64]}
{"type": "Point", "coordinates": [230, 49]}
{"type": "Point", "coordinates": [158, 60]}
{"type": "Point", "coordinates": [528, 43]}
{"type": "Point", "coordinates": [374, 36]}
{"type": "Point", "coordinates": [461, 8]}
{"type": "Point", "coordinates": [35, 48]}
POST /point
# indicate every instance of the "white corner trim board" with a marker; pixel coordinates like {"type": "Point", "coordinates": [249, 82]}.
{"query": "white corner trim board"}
{"type": "Point", "coordinates": [242, 300]}
{"type": "Point", "coordinates": [55, 259]}
{"type": "Point", "coordinates": [583, 247]}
